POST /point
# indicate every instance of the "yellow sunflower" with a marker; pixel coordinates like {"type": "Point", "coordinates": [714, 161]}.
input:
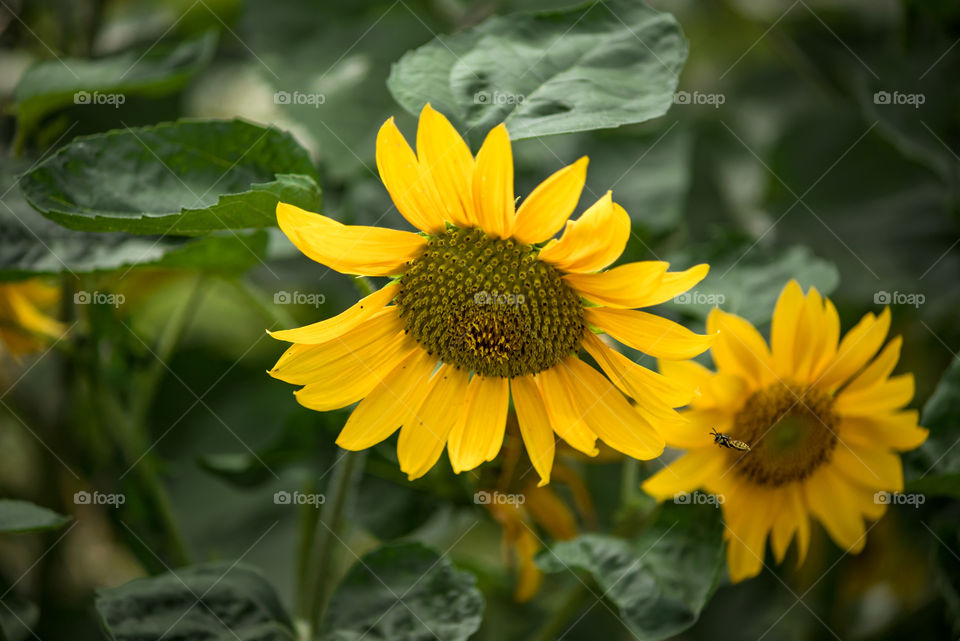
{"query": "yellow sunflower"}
{"type": "Point", "coordinates": [24, 328]}
{"type": "Point", "coordinates": [481, 311]}
{"type": "Point", "coordinates": [822, 418]}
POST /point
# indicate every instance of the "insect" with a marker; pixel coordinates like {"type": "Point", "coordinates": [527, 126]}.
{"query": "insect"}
{"type": "Point", "coordinates": [724, 440]}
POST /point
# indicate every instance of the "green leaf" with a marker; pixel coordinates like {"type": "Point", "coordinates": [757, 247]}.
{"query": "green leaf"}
{"type": "Point", "coordinates": [404, 592]}
{"type": "Point", "coordinates": [750, 287]}
{"type": "Point", "coordinates": [600, 65]}
{"type": "Point", "coordinates": [54, 84]}
{"type": "Point", "coordinates": [188, 177]}
{"type": "Point", "coordinates": [35, 246]}
{"type": "Point", "coordinates": [23, 516]}
{"type": "Point", "coordinates": [661, 580]}
{"type": "Point", "coordinates": [934, 468]}
{"type": "Point", "coordinates": [211, 602]}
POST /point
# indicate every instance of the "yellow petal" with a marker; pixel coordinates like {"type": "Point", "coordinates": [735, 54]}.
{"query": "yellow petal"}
{"type": "Point", "coordinates": [445, 157]}
{"type": "Point", "coordinates": [302, 363]}
{"type": "Point", "coordinates": [565, 419]}
{"type": "Point", "coordinates": [648, 333]}
{"type": "Point", "coordinates": [697, 430]}
{"type": "Point", "coordinates": [870, 467]}
{"type": "Point", "coordinates": [424, 433]}
{"type": "Point", "coordinates": [892, 394]}
{"type": "Point", "coordinates": [783, 328]}
{"type": "Point", "coordinates": [493, 199]}
{"type": "Point", "coordinates": [551, 513]}
{"type": "Point", "coordinates": [739, 348]}
{"type": "Point", "coordinates": [591, 242]}
{"type": "Point", "coordinates": [673, 284]}
{"type": "Point", "coordinates": [547, 208]}
{"type": "Point", "coordinates": [645, 386]}
{"type": "Point", "coordinates": [480, 430]}
{"type": "Point", "coordinates": [831, 500]}
{"type": "Point", "coordinates": [792, 517]}
{"type": "Point", "coordinates": [342, 323]}
{"type": "Point", "coordinates": [747, 528]}
{"type": "Point", "coordinates": [879, 369]}
{"type": "Point", "coordinates": [857, 347]}
{"type": "Point", "coordinates": [690, 471]}
{"type": "Point", "coordinates": [626, 286]}
{"type": "Point", "coordinates": [898, 430]}
{"type": "Point", "coordinates": [534, 425]}
{"type": "Point", "coordinates": [410, 188]}
{"type": "Point", "coordinates": [390, 403]}
{"type": "Point", "coordinates": [608, 414]}
{"type": "Point", "coordinates": [349, 249]}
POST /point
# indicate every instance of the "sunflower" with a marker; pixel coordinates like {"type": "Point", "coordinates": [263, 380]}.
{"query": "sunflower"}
{"type": "Point", "coordinates": [24, 327]}
{"type": "Point", "coordinates": [818, 420]}
{"type": "Point", "coordinates": [484, 306]}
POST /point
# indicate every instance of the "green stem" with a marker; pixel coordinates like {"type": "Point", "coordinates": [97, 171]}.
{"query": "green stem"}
{"type": "Point", "coordinates": [629, 481]}
{"type": "Point", "coordinates": [364, 285]}
{"type": "Point", "coordinates": [572, 603]}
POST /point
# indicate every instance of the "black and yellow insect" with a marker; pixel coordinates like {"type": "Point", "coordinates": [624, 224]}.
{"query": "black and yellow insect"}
{"type": "Point", "coordinates": [724, 440]}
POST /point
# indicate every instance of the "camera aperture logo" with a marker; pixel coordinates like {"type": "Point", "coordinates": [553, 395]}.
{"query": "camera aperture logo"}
{"type": "Point", "coordinates": [314, 99]}
{"type": "Point", "coordinates": [98, 498]}
{"type": "Point", "coordinates": [98, 298]}
{"type": "Point", "coordinates": [99, 98]}
{"type": "Point", "coordinates": [298, 498]}
{"type": "Point", "coordinates": [498, 498]}
{"type": "Point", "coordinates": [298, 298]}
{"type": "Point", "coordinates": [699, 498]}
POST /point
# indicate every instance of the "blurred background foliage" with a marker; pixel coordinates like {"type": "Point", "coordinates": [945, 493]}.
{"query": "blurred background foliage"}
{"type": "Point", "coordinates": [798, 173]}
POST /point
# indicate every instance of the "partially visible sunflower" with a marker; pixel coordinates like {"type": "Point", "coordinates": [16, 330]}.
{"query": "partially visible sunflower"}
{"type": "Point", "coordinates": [24, 327]}
{"type": "Point", "coordinates": [823, 419]}
{"type": "Point", "coordinates": [483, 312]}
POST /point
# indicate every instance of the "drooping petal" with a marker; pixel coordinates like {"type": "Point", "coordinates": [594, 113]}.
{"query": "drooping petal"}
{"type": "Point", "coordinates": [624, 286]}
{"type": "Point", "coordinates": [479, 434]}
{"type": "Point", "coordinates": [739, 348]}
{"type": "Point", "coordinates": [648, 333]}
{"type": "Point", "coordinates": [591, 242]}
{"type": "Point", "coordinates": [535, 427]}
{"type": "Point", "coordinates": [547, 208]}
{"type": "Point", "coordinates": [390, 403]}
{"type": "Point", "coordinates": [493, 198]}
{"type": "Point", "coordinates": [342, 323]}
{"type": "Point", "coordinates": [349, 249]}
{"type": "Point", "coordinates": [425, 432]}
{"type": "Point", "coordinates": [410, 187]}
{"type": "Point", "coordinates": [565, 418]}
{"type": "Point", "coordinates": [445, 157]}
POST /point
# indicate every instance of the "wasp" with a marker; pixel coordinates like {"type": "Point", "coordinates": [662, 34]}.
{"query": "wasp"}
{"type": "Point", "coordinates": [724, 440]}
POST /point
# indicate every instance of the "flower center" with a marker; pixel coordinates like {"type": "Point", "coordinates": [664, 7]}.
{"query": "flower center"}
{"type": "Point", "coordinates": [790, 431]}
{"type": "Point", "coordinates": [489, 306]}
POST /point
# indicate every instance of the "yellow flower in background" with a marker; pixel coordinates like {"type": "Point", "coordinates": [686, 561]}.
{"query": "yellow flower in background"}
{"type": "Point", "coordinates": [482, 312]}
{"type": "Point", "coordinates": [24, 327]}
{"type": "Point", "coordinates": [822, 418]}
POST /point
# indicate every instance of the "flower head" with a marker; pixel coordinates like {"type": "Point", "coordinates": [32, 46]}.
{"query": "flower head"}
{"type": "Point", "coordinates": [807, 427]}
{"type": "Point", "coordinates": [481, 311]}
{"type": "Point", "coordinates": [24, 327]}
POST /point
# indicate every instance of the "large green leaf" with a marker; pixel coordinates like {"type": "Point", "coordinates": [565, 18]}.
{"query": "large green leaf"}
{"type": "Point", "coordinates": [35, 246]}
{"type": "Point", "coordinates": [661, 580]}
{"type": "Point", "coordinates": [23, 516]}
{"type": "Point", "coordinates": [600, 65]}
{"type": "Point", "coordinates": [404, 592]}
{"type": "Point", "coordinates": [212, 602]}
{"type": "Point", "coordinates": [188, 177]}
{"type": "Point", "coordinates": [935, 467]}
{"type": "Point", "coordinates": [54, 84]}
